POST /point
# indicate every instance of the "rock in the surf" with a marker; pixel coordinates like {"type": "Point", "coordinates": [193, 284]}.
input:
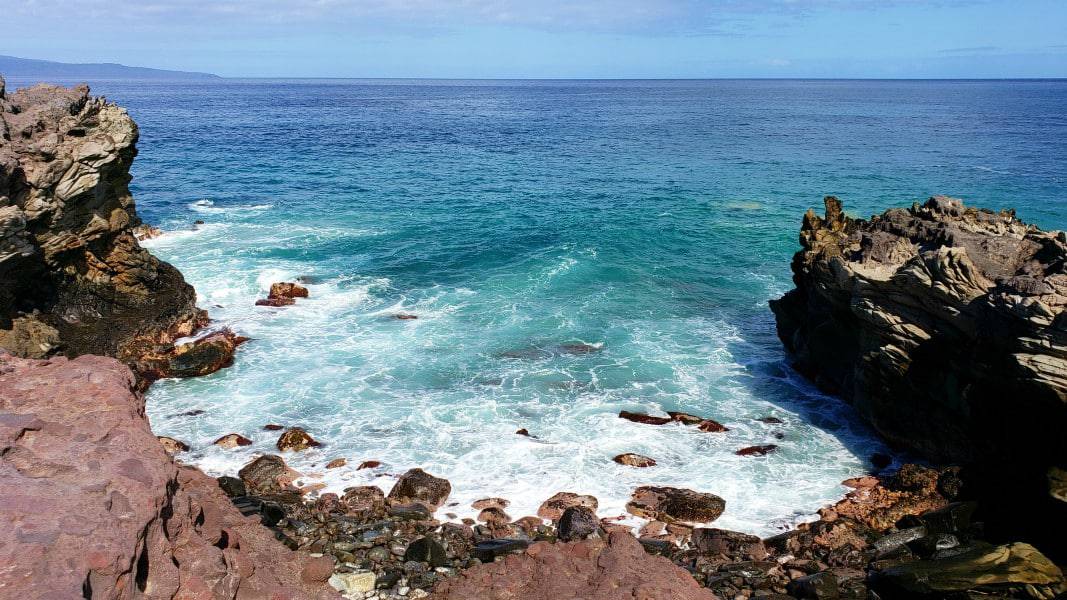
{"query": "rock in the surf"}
{"type": "Point", "coordinates": [287, 289]}
{"type": "Point", "coordinates": [232, 440]}
{"type": "Point", "coordinates": [173, 446]}
{"type": "Point", "coordinates": [643, 418]}
{"type": "Point", "coordinates": [761, 450]}
{"type": "Point", "coordinates": [296, 439]}
{"type": "Point", "coordinates": [634, 460]}
{"type": "Point", "coordinates": [671, 504]}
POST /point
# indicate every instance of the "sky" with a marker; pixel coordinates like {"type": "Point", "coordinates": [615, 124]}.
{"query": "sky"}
{"type": "Point", "coordinates": [550, 38]}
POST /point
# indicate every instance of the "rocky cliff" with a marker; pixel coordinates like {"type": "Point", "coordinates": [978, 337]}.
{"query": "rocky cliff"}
{"type": "Point", "coordinates": [92, 507]}
{"type": "Point", "coordinates": [944, 325]}
{"type": "Point", "coordinates": [75, 279]}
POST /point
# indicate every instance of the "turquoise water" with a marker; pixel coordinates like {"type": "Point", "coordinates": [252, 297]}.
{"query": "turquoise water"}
{"type": "Point", "coordinates": [652, 220]}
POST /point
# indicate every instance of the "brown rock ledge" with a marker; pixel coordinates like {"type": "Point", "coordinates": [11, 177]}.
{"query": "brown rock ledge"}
{"type": "Point", "coordinates": [92, 506]}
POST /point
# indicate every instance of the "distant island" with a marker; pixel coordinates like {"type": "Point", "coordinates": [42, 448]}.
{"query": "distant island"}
{"type": "Point", "coordinates": [12, 66]}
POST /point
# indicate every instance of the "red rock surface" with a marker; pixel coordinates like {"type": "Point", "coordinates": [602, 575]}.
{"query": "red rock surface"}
{"type": "Point", "coordinates": [92, 506]}
{"type": "Point", "coordinates": [618, 569]}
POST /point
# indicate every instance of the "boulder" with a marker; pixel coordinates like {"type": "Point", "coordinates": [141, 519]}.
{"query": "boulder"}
{"type": "Point", "coordinates": [369, 464]}
{"type": "Point", "coordinates": [733, 544]}
{"type": "Point", "coordinates": [594, 569]}
{"type": "Point", "coordinates": [172, 446]}
{"type": "Point", "coordinates": [757, 450]}
{"type": "Point", "coordinates": [363, 499]}
{"type": "Point", "coordinates": [500, 503]}
{"type": "Point", "coordinates": [670, 504]}
{"type": "Point", "coordinates": [336, 463]}
{"type": "Point", "coordinates": [493, 515]}
{"type": "Point", "coordinates": [193, 359]}
{"type": "Point", "coordinates": [552, 509]}
{"type": "Point", "coordinates": [426, 550]}
{"type": "Point", "coordinates": [709, 426]}
{"type": "Point", "coordinates": [643, 418]}
{"type": "Point", "coordinates": [634, 460]}
{"type": "Point", "coordinates": [275, 302]}
{"type": "Point", "coordinates": [819, 586]}
{"type": "Point", "coordinates": [1010, 569]}
{"type": "Point", "coordinates": [296, 439]}
{"type": "Point", "coordinates": [577, 523]}
{"type": "Point", "coordinates": [232, 440]}
{"type": "Point", "coordinates": [287, 290]}
{"type": "Point", "coordinates": [417, 485]}
{"type": "Point", "coordinates": [267, 474]}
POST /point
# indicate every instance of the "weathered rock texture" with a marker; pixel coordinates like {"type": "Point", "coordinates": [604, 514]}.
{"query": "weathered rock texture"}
{"type": "Point", "coordinates": [91, 506]}
{"type": "Point", "coordinates": [74, 278]}
{"type": "Point", "coordinates": [944, 326]}
{"type": "Point", "coordinates": [618, 569]}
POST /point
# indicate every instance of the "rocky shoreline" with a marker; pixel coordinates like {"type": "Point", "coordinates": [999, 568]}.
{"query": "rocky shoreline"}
{"type": "Point", "coordinates": [96, 506]}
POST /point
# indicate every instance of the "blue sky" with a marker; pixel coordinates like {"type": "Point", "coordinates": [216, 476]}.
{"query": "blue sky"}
{"type": "Point", "coordinates": [551, 38]}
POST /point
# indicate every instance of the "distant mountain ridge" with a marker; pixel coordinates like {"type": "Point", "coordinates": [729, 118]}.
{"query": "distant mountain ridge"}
{"type": "Point", "coordinates": [13, 66]}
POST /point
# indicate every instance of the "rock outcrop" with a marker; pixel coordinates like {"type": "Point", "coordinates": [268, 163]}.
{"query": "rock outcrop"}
{"type": "Point", "coordinates": [75, 279]}
{"type": "Point", "coordinates": [92, 506]}
{"type": "Point", "coordinates": [594, 569]}
{"type": "Point", "coordinates": [945, 326]}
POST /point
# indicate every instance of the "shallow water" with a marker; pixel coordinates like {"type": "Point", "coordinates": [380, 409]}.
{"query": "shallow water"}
{"type": "Point", "coordinates": [652, 220]}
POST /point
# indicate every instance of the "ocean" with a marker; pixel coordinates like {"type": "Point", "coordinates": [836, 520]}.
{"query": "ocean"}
{"type": "Point", "coordinates": [570, 248]}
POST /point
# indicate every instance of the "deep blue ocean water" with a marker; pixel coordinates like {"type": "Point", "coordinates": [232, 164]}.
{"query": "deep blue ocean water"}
{"type": "Point", "coordinates": [651, 219]}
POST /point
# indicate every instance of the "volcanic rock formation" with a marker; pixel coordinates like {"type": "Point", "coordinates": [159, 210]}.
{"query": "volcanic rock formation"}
{"type": "Point", "coordinates": [75, 279]}
{"type": "Point", "coordinates": [91, 505]}
{"type": "Point", "coordinates": [944, 325]}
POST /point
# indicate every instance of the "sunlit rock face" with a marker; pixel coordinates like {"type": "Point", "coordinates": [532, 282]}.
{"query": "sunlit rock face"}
{"type": "Point", "coordinates": [74, 278]}
{"type": "Point", "coordinates": [944, 326]}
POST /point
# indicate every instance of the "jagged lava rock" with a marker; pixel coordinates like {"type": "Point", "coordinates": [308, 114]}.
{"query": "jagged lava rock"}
{"type": "Point", "coordinates": [944, 325]}
{"type": "Point", "coordinates": [92, 506]}
{"type": "Point", "coordinates": [76, 280]}
{"type": "Point", "coordinates": [593, 569]}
